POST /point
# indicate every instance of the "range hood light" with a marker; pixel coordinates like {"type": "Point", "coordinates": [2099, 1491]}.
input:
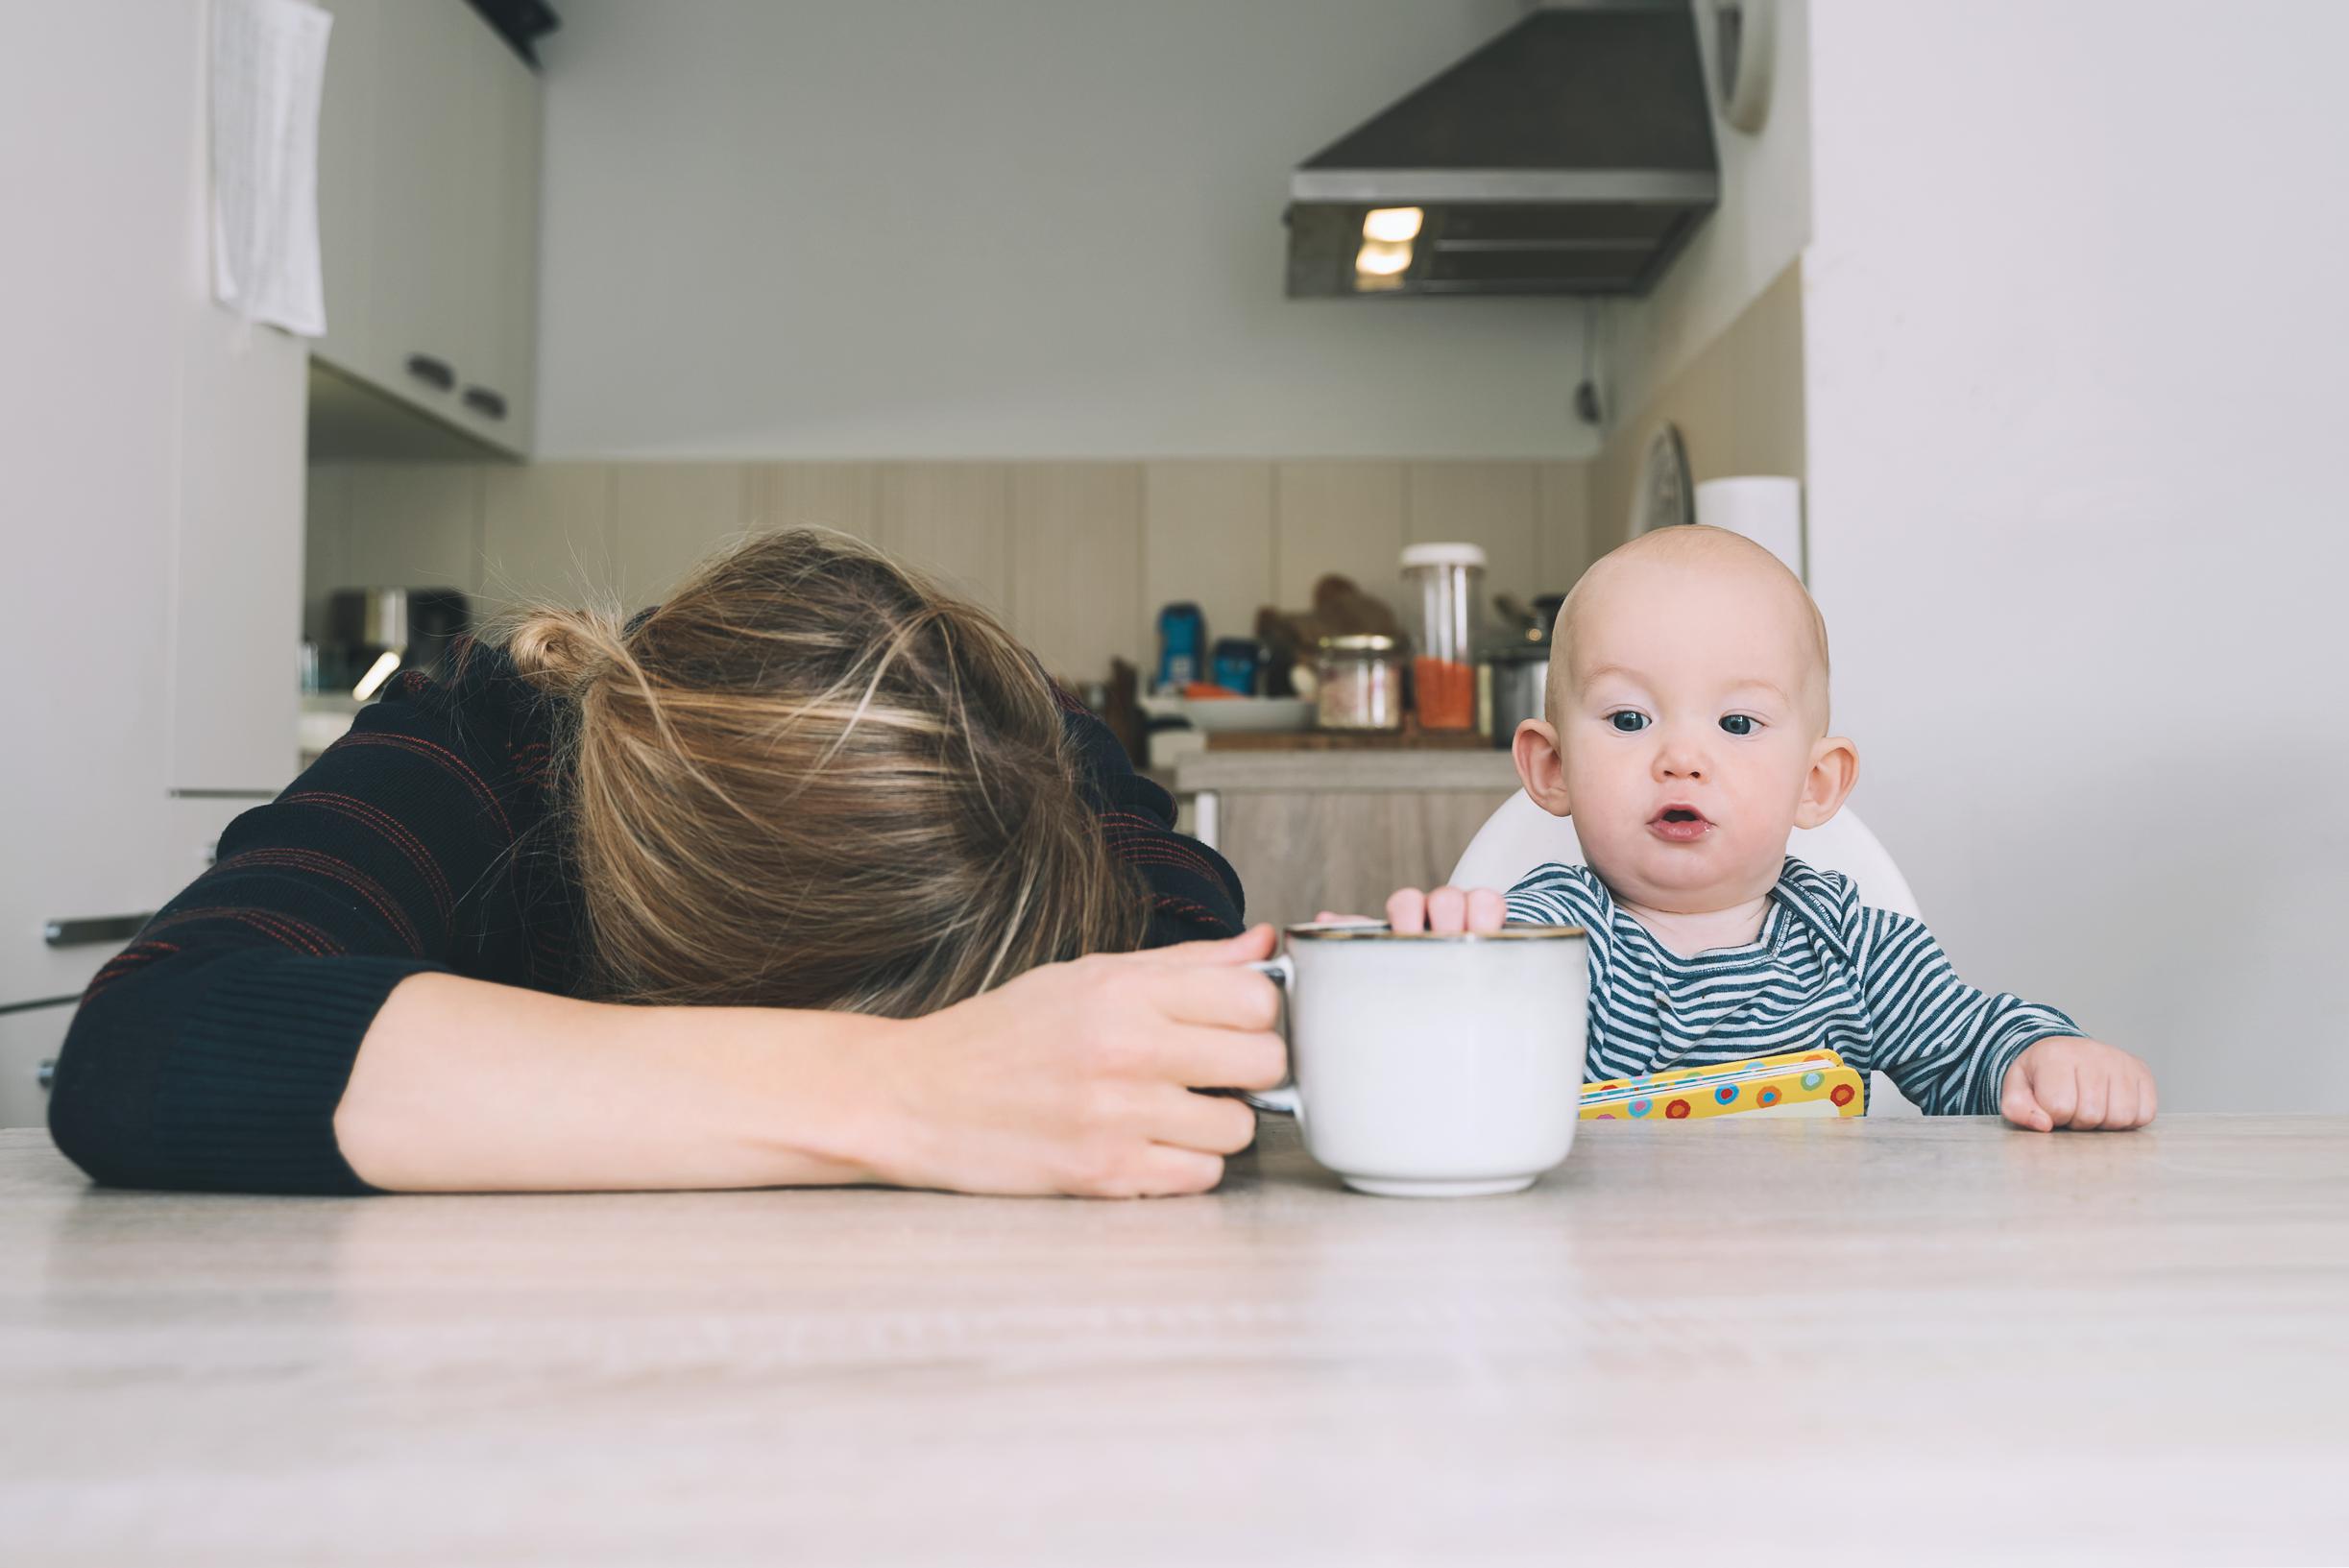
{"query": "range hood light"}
{"type": "Point", "coordinates": [1396, 223]}
{"type": "Point", "coordinates": [1573, 153]}
{"type": "Point", "coordinates": [1383, 258]}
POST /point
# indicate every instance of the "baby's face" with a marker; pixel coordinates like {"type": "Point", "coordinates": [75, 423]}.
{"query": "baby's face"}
{"type": "Point", "coordinates": [1693, 701]}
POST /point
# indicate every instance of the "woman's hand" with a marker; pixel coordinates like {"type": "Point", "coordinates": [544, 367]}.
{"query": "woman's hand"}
{"type": "Point", "coordinates": [1078, 1078]}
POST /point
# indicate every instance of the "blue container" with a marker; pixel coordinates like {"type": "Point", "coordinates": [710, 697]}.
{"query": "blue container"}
{"type": "Point", "coordinates": [1182, 646]}
{"type": "Point", "coordinates": [1239, 664]}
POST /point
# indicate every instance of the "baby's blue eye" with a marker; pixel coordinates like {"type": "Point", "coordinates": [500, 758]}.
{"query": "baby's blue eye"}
{"type": "Point", "coordinates": [1738, 723]}
{"type": "Point", "coordinates": [1626, 721]}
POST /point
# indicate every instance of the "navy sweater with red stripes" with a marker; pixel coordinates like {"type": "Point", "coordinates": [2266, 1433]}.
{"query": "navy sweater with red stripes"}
{"type": "Point", "coordinates": [212, 1053]}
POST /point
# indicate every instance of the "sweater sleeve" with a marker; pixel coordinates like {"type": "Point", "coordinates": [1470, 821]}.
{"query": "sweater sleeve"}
{"type": "Point", "coordinates": [1946, 1044]}
{"type": "Point", "coordinates": [212, 1051]}
{"type": "Point", "coordinates": [1194, 892]}
{"type": "Point", "coordinates": [1559, 895]}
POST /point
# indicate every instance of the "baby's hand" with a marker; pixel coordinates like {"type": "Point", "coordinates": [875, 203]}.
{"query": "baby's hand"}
{"type": "Point", "coordinates": [2065, 1082]}
{"type": "Point", "coordinates": [1446, 912]}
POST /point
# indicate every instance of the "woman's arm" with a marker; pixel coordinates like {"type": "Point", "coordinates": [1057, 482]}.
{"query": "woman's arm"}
{"type": "Point", "coordinates": [212, 1053]}
{"type": "Point", "coordinates": [1072, 1078]}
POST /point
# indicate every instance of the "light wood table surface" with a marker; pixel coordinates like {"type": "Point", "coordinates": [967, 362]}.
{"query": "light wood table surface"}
{"type": "Point", "coordinates": [1884, 1341]}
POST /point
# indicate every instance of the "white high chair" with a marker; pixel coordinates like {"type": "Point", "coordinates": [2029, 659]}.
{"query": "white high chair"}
{"type": "Point", "coordinates": [1521, 835]}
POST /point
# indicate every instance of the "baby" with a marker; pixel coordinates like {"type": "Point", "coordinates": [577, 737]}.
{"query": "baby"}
{"type": "Point", "coordinates": [1687, 736]}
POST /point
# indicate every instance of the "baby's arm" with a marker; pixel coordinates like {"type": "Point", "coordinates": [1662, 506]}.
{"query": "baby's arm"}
{"type": "Point", "coordinates": [1960, 1052]}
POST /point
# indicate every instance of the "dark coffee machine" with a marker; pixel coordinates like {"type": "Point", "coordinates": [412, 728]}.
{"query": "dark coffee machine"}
{"type": "Point", "coordinates": [372, 631]}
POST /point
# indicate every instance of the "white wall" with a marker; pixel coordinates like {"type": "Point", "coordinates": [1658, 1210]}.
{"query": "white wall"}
{"type": "Point", "coordinates": [1756, 235]}
{"type": "Point", "coordinates": [998, 229]}
{"type": "Point", "coordinates": [2075, 331]}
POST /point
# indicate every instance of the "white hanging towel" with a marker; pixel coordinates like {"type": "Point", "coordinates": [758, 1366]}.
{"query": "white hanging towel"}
{"type": "Point", "coordinates": [269, 65]}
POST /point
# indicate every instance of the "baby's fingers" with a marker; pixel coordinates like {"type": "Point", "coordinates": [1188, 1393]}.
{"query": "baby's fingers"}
{"type": "Point", "coordinates": [1488, 910]}
{"type": "Point", "coordinates": [2094, 1099]}
{"type": "Point", "coordinates": [2055, 1083]}
{"type": "Point", "coordinates": [1407, 911]}
{"type": "Point", "coordinates": [2016, 1104]}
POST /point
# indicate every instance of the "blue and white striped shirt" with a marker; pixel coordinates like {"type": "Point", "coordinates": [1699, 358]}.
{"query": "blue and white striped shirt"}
{"type": "Point", "coordinates": [1827, 971]}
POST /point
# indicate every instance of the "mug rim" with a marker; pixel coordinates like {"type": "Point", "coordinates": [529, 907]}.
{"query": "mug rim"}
{"type": "Point", "coordinates": [1380, 931]}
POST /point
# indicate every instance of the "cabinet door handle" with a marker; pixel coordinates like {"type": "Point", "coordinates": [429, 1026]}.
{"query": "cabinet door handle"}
{"type": "Point", "coordinates": [432, 372]}
{"type": "Point", "coordinates": [482, 401]}
{"type": "Point", "coordinates": [82, 933]}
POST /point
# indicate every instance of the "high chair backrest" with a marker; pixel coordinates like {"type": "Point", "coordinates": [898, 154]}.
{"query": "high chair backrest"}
{"type": "Point", "coordinates": [1521, 835]}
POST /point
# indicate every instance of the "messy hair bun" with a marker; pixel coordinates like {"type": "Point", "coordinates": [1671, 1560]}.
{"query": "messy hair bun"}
{"type": "Point", "coordinates": [559, 651]}
{"type": "Point", "coordinates": [810, 779]}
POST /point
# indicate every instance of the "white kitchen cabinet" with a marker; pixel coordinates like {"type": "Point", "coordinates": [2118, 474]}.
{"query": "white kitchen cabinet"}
{"type": "Point", "coordinates": [346, 206]}
{"type": "Point", "coordinates": [236, 589]}
{"type": "Point", "coordinates": [149, 492]}
{"type": "Point", "coordinates": [27, 1041]}
{"type": "Point", "coordinates": [88, 434]}
{"type": "Point", "coordinates": [428, 213]}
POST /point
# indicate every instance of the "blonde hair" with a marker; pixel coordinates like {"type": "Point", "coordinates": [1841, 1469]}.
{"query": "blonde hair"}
{"type": "Point", "coordinates": [810, 779]}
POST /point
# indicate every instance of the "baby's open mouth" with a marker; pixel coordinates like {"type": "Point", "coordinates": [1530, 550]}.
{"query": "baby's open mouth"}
{"type": "Point", "coordinates": [1679, 824]}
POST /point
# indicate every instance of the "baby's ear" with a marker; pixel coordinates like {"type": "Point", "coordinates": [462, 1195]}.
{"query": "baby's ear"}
{"type": "Point", "coordinates": [1834, 768]}
{"type": "Point", "coordinates": [1540, 767]}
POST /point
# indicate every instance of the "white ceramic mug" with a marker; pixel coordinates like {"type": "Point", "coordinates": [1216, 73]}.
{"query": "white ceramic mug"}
{"type": "Point", "coordinates": [1426, 1066]}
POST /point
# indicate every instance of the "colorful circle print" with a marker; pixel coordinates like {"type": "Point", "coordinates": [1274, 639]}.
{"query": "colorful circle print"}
{"type": "Point", "coordinates": [1768, 1097]}
{"type": "Point", "coordinates": [1727, 1092]}
{"type": "Point", "coordinates": [1812, 1080]}
{"type": "Point", "coordinates": [1842, 1094]}
{"type": "Point", "coordinates": [1677, 1110]}
{"type": "Point", "coordinates": [1641, 1107]}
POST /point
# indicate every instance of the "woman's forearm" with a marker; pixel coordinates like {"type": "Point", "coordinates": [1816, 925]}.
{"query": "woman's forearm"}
{"type": "Point", "coordinates": [1074, 1077]}
{"type": "Point", "coordinates": [465, 1086]}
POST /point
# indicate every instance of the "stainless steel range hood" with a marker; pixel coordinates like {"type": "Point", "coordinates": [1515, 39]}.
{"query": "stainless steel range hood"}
{"type": "Point", "coordinates": [1572, 155]}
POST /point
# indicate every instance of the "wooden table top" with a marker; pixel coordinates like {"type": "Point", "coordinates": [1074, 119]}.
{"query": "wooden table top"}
{"type": "Point", "coordinates": [1871, 1339]}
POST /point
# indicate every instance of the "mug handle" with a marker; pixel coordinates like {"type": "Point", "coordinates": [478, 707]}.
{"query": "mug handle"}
{"type": "Point", "coordinates": [1283, 1099]}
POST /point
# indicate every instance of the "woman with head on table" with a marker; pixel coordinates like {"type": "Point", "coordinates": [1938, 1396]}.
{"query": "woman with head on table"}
{"type": "Point", "coordinates": [806, 876]}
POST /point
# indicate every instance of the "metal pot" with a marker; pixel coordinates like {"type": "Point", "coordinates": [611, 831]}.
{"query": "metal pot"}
{"type": "Point", "coordinates": [1518, 678]}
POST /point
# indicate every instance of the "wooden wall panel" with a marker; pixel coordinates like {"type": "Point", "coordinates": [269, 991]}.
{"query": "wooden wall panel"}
{"type": "Point", "coordinates": [1077, 564]}
{"type": "Point", "coordinates": [667, 515]}
{"type": "Point", "coordinates": [1207, 539]}
{"type": "Point", "coordinates": [546, 532]}
{"type": "Point", "coordinates": [1567, 537]}
{"type": "Point", "coordinates": [1342, 517]}
{"type": "Point", "coordinates": [414, 525]}
{"type": "Point", "coordinates": [953, 521]}
{"type": "Point", "coordinates": [841, 495]}
{"type": "Point", "coordinates": [1299, 853]}
{"type": "Point", "coordinates": [1077, 557]}
{"type": "Point", "coordinates": [1496, 505]}
{"type": "Point", "coordinates": [326, 542]}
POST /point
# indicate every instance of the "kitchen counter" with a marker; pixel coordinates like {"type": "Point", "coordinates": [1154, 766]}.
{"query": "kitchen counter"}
{"type": "Point", "coordinates": [1876, 1339]}
{"type": "Point", "coordinates": [1310, 830]}
{"type": "Point", "coordinates": [1484, 771]}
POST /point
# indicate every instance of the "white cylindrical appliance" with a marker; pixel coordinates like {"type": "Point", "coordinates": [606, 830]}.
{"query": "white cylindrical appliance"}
{"type": "Point", "coordinates": [1766, 508]}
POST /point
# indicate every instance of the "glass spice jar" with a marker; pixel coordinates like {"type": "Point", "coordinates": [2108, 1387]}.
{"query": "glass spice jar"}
{"type": "Point", "coordinates": [1445, 584]}
{"type": "Point", "coordinates": [1359, 683]}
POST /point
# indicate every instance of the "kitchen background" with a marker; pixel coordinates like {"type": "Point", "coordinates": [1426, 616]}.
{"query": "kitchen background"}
{"type": "Point", "coordinates": [998, 284]}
